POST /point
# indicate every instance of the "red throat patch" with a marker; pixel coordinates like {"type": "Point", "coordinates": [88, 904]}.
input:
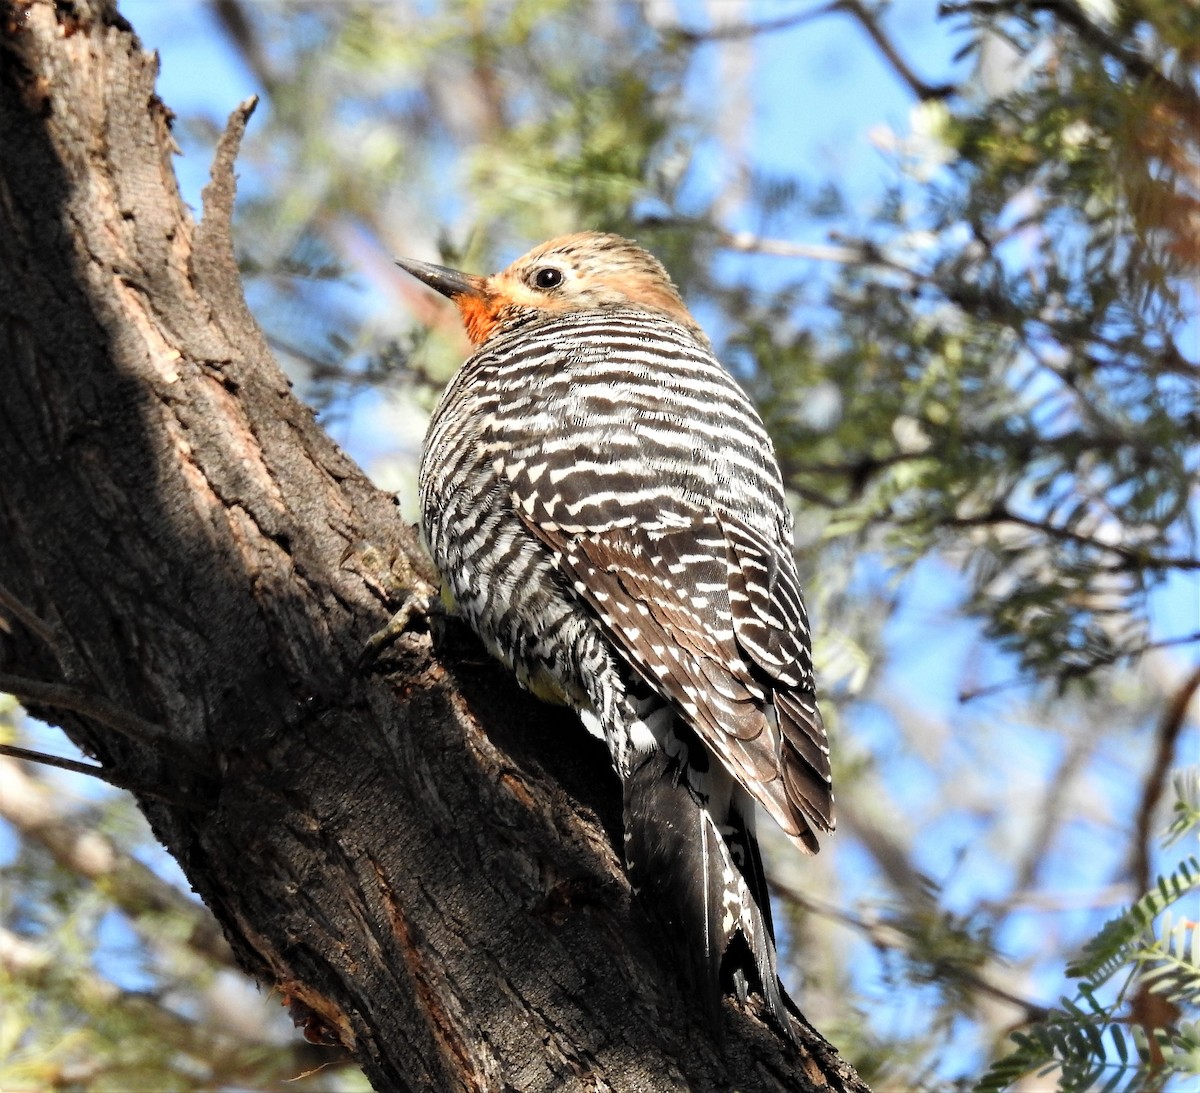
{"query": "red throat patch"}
{"type": "Point", "coordinates": [479, 315]}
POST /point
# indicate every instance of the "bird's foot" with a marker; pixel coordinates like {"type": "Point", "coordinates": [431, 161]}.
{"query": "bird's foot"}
{"type": "Point", "coordinates": [422, 602]}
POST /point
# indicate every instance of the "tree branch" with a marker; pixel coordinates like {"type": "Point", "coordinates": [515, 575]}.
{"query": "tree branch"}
{"type": "Point", "coordinates": [78, 847]}
{"type": "Point", "coordinates": [1182, 97]}
{"type": "Point", "coordinates": [734, 31]}
{"type": "Point", "coordinates": [885, 935]}
{"type": "Point", "coordinates": [855, 9]}
{"type": "Point", "coordinates": [784, 248]}
{"type": "Point", "coordinates": [62, 696]}
{"type": "Point", "coordinates": [1170, 727]}
{"type": "Point", "coordinates": [1133, 555]}
{"type": "Point", "coordinates": [61, 762]}
{"type": "Point", "coordinates": [922, 90]}
{"type": "Point", "coordinates": [423, 857]}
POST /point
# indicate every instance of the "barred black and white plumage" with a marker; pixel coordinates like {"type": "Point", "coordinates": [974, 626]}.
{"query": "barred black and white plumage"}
{"type": "Point", "coordinates": [606, 509]}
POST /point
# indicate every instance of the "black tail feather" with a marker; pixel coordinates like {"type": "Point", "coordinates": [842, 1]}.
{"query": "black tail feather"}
{"type": "Point", "coordinates": [665, 855]}
{"type": "Point", "coordinates": [705, 889]}
{"type": "Point", "coordinates": [743, 845]}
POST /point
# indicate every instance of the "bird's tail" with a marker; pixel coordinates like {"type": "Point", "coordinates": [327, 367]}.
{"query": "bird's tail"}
{"type": "Point", "coordinates": [694, 861]}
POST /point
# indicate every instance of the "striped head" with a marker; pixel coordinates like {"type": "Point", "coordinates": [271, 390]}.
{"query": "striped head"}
{"type": "Point", "coordinates": [580, 272]}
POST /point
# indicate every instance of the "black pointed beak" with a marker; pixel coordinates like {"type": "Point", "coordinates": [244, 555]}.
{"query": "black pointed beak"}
{"type": "Point", "coordinates": [449, 282]}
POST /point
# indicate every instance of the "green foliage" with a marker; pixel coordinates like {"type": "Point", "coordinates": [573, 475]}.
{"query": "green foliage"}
{"type": "Point", "coordinates": [1094, 1044]}
{"type": "Point", "coordinates": [1118, 942]}
{"type": "Point", "coordinates": [1091, 1051]}
{"type": "Point", "coordinates": [1010, 362]}
{"type": "Point", "coordinates": [1186, 811]}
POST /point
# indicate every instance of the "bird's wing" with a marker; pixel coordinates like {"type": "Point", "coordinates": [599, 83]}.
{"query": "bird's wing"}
{"type": "Point", "coordinates": [771, 627]}
{"type": "Point", "coordinates": [709, 614]}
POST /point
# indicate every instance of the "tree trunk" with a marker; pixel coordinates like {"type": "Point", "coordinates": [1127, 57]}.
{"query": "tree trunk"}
{"type": "Point", "coordinates": [419, 856]}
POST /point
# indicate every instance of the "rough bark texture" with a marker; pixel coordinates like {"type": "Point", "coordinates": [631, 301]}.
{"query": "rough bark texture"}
{"type": "Point", "coordinates": [422, 857]}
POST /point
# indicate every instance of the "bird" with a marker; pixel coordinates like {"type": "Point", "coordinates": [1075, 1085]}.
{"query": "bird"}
{"type": "Point", "coordinates": [607, 513]}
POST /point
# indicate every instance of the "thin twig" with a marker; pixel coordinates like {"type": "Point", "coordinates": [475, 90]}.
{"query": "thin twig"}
{"type": "Point", "coordinates": [886, 936]}
{"type": "Point", "coordinates": [1076, 671]}
{"type": "Point", "coordinates": [1145, 560]}
{"type": "Point", "coordinates": [61, 762]}
{"type": "Point", "coordinates": [33, 623]}
{"type": "Point", "coordinates": [1052, 811]}
{"type": "Point", "coordinates": [780, 248]}
{"type": "Point", "coordinates": [244, 36]}
{"type": "Point", "coordinates": [923, 91]}
{"type": "Point", "coordinates": [63, 696]}
{"type": "Point", "coordinates": [969, 694]}
{"type": "Point", "coordinates": [843, 250]}
{"type": "Point", "coordinates": [731, 31]}
{"type": "Point", "coordinates": [854, 8]}
{"type": "Point", "coordinates": [1169, 729]}
{"type": "Point", "coordinates": [91, 770]}
{"type": "Point", "coordinates": [1058, 903]}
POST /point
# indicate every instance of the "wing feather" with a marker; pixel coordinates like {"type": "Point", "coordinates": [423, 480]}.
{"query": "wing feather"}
{"type": "Point", "coordinates": [683, 652]}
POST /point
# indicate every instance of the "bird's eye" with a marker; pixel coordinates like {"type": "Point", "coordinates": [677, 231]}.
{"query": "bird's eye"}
{"type": "Point", "coordinates": [548, 277]}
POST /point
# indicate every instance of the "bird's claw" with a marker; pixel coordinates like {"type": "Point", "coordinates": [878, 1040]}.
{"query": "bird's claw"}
{"type": "Point", "coordinates": [422, 602]}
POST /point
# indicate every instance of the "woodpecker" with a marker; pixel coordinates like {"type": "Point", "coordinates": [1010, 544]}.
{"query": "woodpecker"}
{"type": "Point", "coordinates": [607, 513]}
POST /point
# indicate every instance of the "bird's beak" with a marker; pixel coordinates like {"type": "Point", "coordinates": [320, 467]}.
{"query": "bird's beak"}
{"type": "Point", "coordinates": [449, 282]}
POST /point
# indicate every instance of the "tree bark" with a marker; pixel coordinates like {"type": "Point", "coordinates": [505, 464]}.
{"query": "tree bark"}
{"type": "Point", "coordinates": [418, 855]}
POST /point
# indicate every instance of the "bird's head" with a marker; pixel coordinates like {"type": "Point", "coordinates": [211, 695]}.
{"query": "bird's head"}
{"type": "Point", "coordinates": [578, 272]}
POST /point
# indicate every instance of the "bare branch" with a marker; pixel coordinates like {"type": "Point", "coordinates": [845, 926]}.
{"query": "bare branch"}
{"type": "Point", "coordinates": [970, 694]}
{"type": "Point", "coordinates": [886, 935]}
{"type": "Point", "coordinates": [1051, 811]}
{"type": "Point", "coordinates": [1137, 556]}
{"type": "Point", "coordinates": [854, 8]}
{"type": "Point", "coordinates": [60, 762]}
{"type": "Point", "coordinates": [1174, 718]}
{"type": "Point", "coordinates": [27, 617]}
{"type": "Point", "coordinates": [922, 90]}
{"type": "Point", "coordinates": [782, 248]}
{"type": "Point", "coordinates": [63, 696]}
{"type": "Point", "coordinates": [728, 31]}
{"type": "Point", "coordinates": [32, 809]}
{"type": "Point", "coordinates": [1056, 903]}
{"type": "Point", "coordinates": [243, 34]}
